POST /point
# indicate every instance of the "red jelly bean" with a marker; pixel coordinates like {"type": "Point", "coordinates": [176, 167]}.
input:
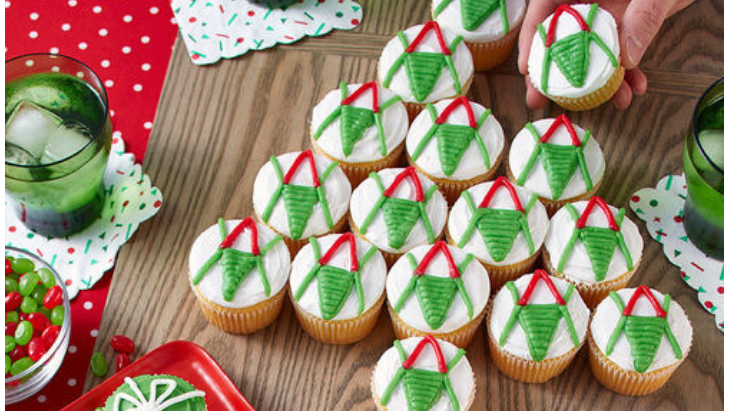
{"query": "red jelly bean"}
{"type": "Point", "coordinates": [23, 316]}
{"type": "Point", "coordinates": [36, 349]}
{"type": "Point", "coordinates": [50, 334]}
{"type": "Point", "coordinates": [18, 352]}
{"type": "Point", "coordinates": [12, 301]}
{"type": "Point", "coordinates": [8, 266]}
{"type": "Point", "coordinates": [123, 360]}
{"type": "Point", "coordinates": [10, 328]}
{"type": "Point", "coordinates": [40, 322]}
{"type": "Point", "coordinates": [53, 297]}
{"type": "Point", "coordinates": [120, 343]}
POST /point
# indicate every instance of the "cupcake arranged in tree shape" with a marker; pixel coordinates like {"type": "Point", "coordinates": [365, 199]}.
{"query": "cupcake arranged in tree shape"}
{"type": "Point", "coordinates": [423, 374]}
{"type": "Point", "coordinates": [425, 64]}
{"type": "Point", "coordinates": [536, 326]}
{"type": "Point", "coordinates": [362, 126]}
{"type": "Point", "coordinates": [337, 285]}
{"type": "Point", "coordinates": [238, 270]}
{"type": "Point", "coordinates": [594, 246]}
{"type": "Point", "coordinates": [300, 195]}
{"type": "Point", "coordinates": [156, 392]}
{"type": "Point", "coordinates": [558, 160]}
{"type": "Point", "coordinates": [502, 225]}
{"type": "Point", "coordinates": [456, 143]}
{"type": "Point", "coordinates": [437, 290]}
{"type": "Point", "coordinates": [397, 209]}
{"type": "Point", "coordinates": [638, 339]}
{"type": "Point", "coordinates": [575, 57]}
{"type": "Point", "coordinates": [490, 27]}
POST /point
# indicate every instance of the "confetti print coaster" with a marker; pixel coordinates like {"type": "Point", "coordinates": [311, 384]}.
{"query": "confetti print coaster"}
{"type": "Point", "coordinates": [215, 29]}
{"type": "Point", "coordinates": [661, 209]}
{"type": "Point", "coordinates": [83, 258]}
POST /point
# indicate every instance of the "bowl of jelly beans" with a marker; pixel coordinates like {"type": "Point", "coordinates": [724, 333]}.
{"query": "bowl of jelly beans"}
{"type": "Point", "coordinates": [37, 324]}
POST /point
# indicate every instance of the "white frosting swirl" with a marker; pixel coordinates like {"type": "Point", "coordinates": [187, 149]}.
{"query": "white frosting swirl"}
{"type": "Point", "coordinates": [491, 29]}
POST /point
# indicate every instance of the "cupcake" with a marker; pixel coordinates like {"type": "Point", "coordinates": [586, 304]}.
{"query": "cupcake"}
{"type": "Point", "coordinates": [238, 270]}
{"type": "Point", "coordinates": [490, 28]}
{"type": "Point", "coordinates": [638, 337]}
{"type": "Point", "coordinates": [361, 126]}
{"type": "Point", "coordinates": [437, 290]}
{"type": "Point", "coordinates": [425, 64]}
{"type": "Point", "coordinates": [536, 325]}
{"type": "Point", "coordinates": [596, 248]}
{"type": "Point", "coordinates": [411, 377]}
{"type": "Point", "coordinates": [299, 202]}
{"type": "Point", "coordinates": [397, 209]}
{"type": "Point", "coordinates": [502, 225]}
{"type": "Point", "coordinates": [456, 143]}
{"type": "Point", "coordinates": [337, 286]}
{"type": "Point", "coordinates": [559, 161]}
{"type": "Point", "coordinates": [575, 57]}
{"type": "Point", "coordinates": [156, 392]}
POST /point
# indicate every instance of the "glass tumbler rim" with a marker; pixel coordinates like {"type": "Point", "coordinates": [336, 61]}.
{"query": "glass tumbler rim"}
{"type": "Point", "coordinates": [695, 116]}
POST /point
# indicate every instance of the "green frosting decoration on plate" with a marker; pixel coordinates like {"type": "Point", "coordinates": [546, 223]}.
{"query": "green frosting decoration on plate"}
{"type": "Point", "coordinates": [156, 393]}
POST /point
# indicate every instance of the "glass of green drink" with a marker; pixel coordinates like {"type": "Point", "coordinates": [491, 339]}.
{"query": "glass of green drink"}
{"type": "Point", "coordinates": [704, 163]}
{"type": "Point", "coordinates": [57, 142]}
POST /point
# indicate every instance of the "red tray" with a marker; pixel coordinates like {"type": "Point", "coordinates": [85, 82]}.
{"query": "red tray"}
{"type": "Point", "coordinates": [179, 358]}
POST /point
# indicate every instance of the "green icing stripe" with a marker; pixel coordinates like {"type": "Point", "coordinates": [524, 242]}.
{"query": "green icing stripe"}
{"type": "Point", "coordinates": [440, 7]}
{"type": "Point", "coordinates": [277, 193]}
{"type": "Point", "coordinates": [510, 285]}
{"type": "Point", "coordinates": [619, 326]}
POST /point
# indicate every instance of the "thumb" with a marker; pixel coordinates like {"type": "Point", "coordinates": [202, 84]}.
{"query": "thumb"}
{"type": "Point", "coordinates": [640, 23]}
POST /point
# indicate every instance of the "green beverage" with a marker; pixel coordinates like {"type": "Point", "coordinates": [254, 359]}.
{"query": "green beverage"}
{"type": "Point", "coordinates": [704, 164]}
{"type": "Point", "coordinates": [57, 142]}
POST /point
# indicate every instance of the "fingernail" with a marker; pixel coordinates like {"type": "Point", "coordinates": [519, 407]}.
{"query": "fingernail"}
{"type": "Point", "coordinates": [634, 50]}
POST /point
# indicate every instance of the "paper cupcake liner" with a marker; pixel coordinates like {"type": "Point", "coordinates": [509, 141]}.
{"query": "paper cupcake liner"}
{"type": "Point", "coordinates": [460, 337]}
{"type": "Point", "coordinates": [597, 97]}
{"type": "Point", "coordinates": [339, 331]}
{"type": "Point", "coordinates": [592, 294]}
{"type": "Point", "coordinates": [358, 172]}
{"type": "Point", "coordinates": [414, 109]}
{"type": "Point", "coordinates": [491, 54]}
{"type": "Point", "coordinates": [295, 245]}
{"type": "Point", "coordinates": [627, 382]}
{"type": "Point", "coordinates": [552, 206]}
{"type": "Point", "coordinates": [245, 320]}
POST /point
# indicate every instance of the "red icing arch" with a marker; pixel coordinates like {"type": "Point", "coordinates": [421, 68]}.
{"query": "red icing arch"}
{"type": "Point", "coordinates": [459, 101]}
{"type": "Point", "coordinates": [642, 289]}
{"type": "Point", "coordinates": [231, 238]}
{"type": "Point", "coordinates": [606, 211]}
{"type": "Point", "coordinates": [438, 246]}
{"type": "Point", "coordinates": [431, 25]}
{"type": "Point", "coordinates": [408, 172]}
{"type": "Point", "coordinates": [352, 97]}
{"type": "Point", "coordinates": [564, 121]}
{"type": "Point", "coordinates": [540, 275]}
{"type": "Point", "coordinates": [306, 154]}
{"type": "Point", "coordinates": [502, 182]}
{"type": "Point", "coordinates": [563, 8]}
{"type": "Point", "coordinates": [443, 368]}
{"type": "Point", "coordinates": [346, 237]}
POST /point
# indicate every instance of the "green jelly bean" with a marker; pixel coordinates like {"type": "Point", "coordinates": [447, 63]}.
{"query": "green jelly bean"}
{"type": "Point", "coordinates": [38, 294]}
{"type": "Point", "coordinates": [23, 265]}
{"type": "Point", "coordinates": [98, 364]}
{"type": "Point", "coordinates": [28, 283]}
{"type": "Point", "coordinates": [11, 259]}
{"type": "Point", "coordinates": [14, 276]}
{"type": "Point", "coordinates": [23, 333]}
{"type": "Point", "coordinates": [57, 315]}
{"type": "Point", "coordinates": [10, 285]}
{"type": "Point", "coordinates": [9, 343]}
{"type": "Point", "coordinates": [12, 317]}
{"type": "Point", "coordinates": [46, 277]}
{"type": "Point", "coordinates": [21, 365]}
{"type": "Point", "coordinates": [29, 305]}
{"type": "Point", "coordinates": [8, 364]}
{"type": "Point", "coordinates": [43, 310]}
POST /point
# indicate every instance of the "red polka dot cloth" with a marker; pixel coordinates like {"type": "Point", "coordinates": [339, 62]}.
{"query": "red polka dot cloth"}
{"type": "Point", "coordinates": [661, 209]}
{"type": "Point", "coordinates": [128, 44]}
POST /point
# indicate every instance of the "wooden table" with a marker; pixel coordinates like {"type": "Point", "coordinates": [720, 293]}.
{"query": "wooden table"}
{"type": "Point", "coordinates": [217, 125]}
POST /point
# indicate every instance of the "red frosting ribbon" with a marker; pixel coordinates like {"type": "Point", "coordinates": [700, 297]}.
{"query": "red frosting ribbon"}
{"type": "Point", "coordinates": [642, 289]}
{"type": "Point", "coordinates": [438, 246]}
{"type": "Point", "coordinates": [540, 275]}
{"type": "Point", "coordinates": [459, 101]}
{"type": "Point", "coordinates": [502, 182]}
{"type": "Point", "coordinates": [408, 172]}
{"type": "Point", "coordinates": [298, 162]}
{"type": "Point", "coordinates": [231, 238]}
{"type": "Point", "coordinates": [431, 25]}
{"type": "Point", "coordinates": [346, 237]}
{"type": "Point", "coordinates": [564, 121]}
{"type": "Point", "coordinates": [606, 211]}
{"type": "Point", "coordinates": [563, 8]}
{"type": "Point", "coordinates": [443, 368]}
{"type": "Point", "coordinates": [352, 97]}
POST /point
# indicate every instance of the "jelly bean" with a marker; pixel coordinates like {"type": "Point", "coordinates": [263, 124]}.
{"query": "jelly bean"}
{"type": "Point", "coordinates": [10, 285]}
{"type": "Point", "coordinates": [13, 301]}
{"type": "Point", "coordinates": [36, 349]}
{"type": "Point", "coordinates": [53, 297]}
{"type": "Point", "coordinates": [47, 277]}
{"type": "Point", "coordinates": [50, 334]}
{"type": "Point", "coordinates": [28, 305]}
{"type": "Point", "coordinates": [10, 328]}
{"type": "Point", "coordinates": [9, 343]}
{"type": "Point", "coordinates": [8, 266]}
{"type": "Point", "coordinates": [14, 276]}
{"type": "Point", "coordinates": [57, 315]}
{"type": "Point", "coordinates": [98, 364]}
{"type": "Point", "coordinates": [12, 317]}
{"type": "Point", "coordinates": [38, 294]}
{"type": "Point", "coordinates": [22, 316]}
{"type": "Point", "coordinates": [23, 265]}
{"type": "Point", "coordinates": [8, 363]}
{"type": "Point", "coordinates": [24, 333]}
{"type": "Point", "coordinates": [28, 283]}
{"type": "Point", "coordinates": [123, 360]}
{"type": "Point", "coordinates": [121, 343]}
{"type": "Point", "coordinates": [21, 365]}
{"type": "Point", "coordinates": [40, 322]}
{"type": "Point", "coordinates": [18, 352]}
{"type": "Point", "coordinates": [45, 311]}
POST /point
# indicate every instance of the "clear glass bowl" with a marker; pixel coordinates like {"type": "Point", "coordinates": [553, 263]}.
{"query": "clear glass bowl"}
{"type": "Point", "coordinates": [32, 380]}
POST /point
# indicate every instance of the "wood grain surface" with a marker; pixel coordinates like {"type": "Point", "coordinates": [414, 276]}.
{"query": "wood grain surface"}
{"type": "Point", "coordinates": [217, 125]}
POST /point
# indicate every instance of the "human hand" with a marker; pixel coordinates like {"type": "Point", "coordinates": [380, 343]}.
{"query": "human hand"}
{"type": "Point", "coordinates": [638, 22]}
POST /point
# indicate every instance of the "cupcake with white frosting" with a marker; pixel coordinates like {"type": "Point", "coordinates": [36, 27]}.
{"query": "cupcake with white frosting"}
{"type": "Point", "coordinates": [397, 209]}
{"type": "Point", "coordinates": [575, 57]}
{"type": "Point", "coordinates": [502, 225]}
{"type": "Point", "coordinates": [437, 290]}
{"type": "Point", "coordinates": [638, 338]}
{"type": "Point", "coordinates": [300, 195]}
{"type": "Point", "coordinates": [238, 270]}
{"type": "Point", "coordinates": [457, 144]}
{"type": "Point", "coordinates": [361, 126]}
{"type": "Point", "coordinates": [490, 28]}
{"type": "Point", "coordinates": [425, 64]}
{"type": "Point", "coordinates": [337, 285]}
{"type": "Point", "coordinates": [423, 373]}
{"type": "Point", "coordinates": [536, 326]}
{"type": "Point", "coordinates": [593, 245]}
{"type": "Point", "coordinates": [558, 160]}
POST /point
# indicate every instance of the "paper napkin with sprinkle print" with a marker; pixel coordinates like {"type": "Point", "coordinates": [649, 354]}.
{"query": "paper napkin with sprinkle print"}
{"type": "Point", "coordinates": [83, 258]}
{"type": "Point", "coordinates": [215, 29]}
{"type": "Point", "coordinates": [661, 209]}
